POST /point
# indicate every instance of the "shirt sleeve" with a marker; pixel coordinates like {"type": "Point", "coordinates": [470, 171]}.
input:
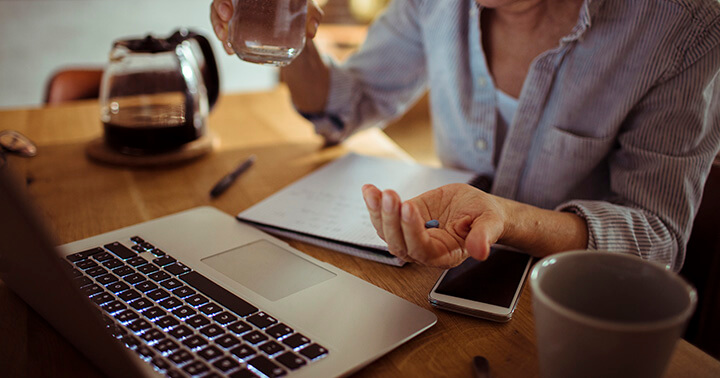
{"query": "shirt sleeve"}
{"type": "Point", "coordinates": [658, 170]}
{"type": "Point", "coordinates": [380, 81]}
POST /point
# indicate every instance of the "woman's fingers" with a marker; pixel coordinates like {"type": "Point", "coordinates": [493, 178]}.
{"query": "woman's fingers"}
{"type": "Point", "coordinates": [220, 14]}
{"type": "Point", "coordinates": [314, 17]}
{"type": "Point", "coordinates": [391, 226]}
{"type": "Point", "coordinates": [373, 197]}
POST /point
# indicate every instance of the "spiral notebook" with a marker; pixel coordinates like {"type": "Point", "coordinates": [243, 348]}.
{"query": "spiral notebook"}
{"type": "Point", "coordinates": [326, 207]}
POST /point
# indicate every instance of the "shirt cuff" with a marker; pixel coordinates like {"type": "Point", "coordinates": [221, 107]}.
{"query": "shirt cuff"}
{"type": "Point", "coordinates": [591, 221]}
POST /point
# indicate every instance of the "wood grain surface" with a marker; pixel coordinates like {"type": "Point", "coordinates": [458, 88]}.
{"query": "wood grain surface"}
{"type": "Point", "coordinates": [81, 198]}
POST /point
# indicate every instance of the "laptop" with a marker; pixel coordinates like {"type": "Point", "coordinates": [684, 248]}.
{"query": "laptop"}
{"type": "Point", "coordinates": [198, 293]}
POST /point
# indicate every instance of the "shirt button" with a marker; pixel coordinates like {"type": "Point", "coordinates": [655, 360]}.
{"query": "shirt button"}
{"type": "Point", "coordinates": [482, 82]}
{"type": "Point", "coordinates": [481, 144]}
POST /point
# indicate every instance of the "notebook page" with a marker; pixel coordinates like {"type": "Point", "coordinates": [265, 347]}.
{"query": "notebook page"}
{"type": "Point", "coordinates": [328, 202]}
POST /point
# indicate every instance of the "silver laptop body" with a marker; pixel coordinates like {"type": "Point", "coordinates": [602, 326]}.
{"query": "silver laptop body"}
{"type": "Point", "coordinates": [348, 321]}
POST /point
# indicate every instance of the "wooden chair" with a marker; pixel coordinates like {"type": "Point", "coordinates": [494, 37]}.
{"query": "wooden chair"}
{"type": "Point", "coordinates": [73, 84]}
{"type": "Point", "coordinates": [702, 268]}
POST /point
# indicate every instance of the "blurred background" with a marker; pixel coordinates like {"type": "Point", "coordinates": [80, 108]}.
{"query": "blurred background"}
{"type": "Point", "coordinates": [42, 37]}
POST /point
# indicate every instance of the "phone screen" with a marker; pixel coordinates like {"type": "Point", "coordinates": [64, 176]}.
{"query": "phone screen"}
{"type": "Point", "coordinates": [493, 281]}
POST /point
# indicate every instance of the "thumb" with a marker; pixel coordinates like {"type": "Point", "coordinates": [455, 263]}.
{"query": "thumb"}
{"type": "Point", "coordinates": [484, 232]}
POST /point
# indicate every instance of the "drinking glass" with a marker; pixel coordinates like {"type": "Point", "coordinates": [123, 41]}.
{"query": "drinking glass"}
{"type": "Point", "coordinates": [270, 32]}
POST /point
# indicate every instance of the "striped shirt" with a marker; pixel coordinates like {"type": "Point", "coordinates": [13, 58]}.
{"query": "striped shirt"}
{"type": "Point", "coordinates": [619, 123]}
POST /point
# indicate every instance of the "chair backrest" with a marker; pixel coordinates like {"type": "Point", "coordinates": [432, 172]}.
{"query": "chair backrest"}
{"type": "Point", "coordinates": [73, 84]}
{"type": "Point", "coordinates": [702, 268]}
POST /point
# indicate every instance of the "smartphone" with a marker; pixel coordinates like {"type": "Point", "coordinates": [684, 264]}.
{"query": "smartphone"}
{"type": "Point", "coordinates": [486, 289]}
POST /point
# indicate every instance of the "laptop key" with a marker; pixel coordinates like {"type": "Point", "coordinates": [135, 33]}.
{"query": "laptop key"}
{"type": "Point", "coordinates": [313, 351]}
{"type": "Point", "coordinates": [147, 246]}
{"type": "Point", "coordinates": [227, 341]}
{"type": "Point", "coordinates": [197, 321]}
{"type": "Point", "coordinates": [84, 254]}
{"type": "Point", "coordinates": [82, 281]}
{"type": "Point", "coordinates": [159, 362]}
{"type": "Point", "coordinates": [144, 351]}
{"type": "Point", "coordinates": [239, 327]}
{"type": "Point", "coordinates": [129, 295]}
{"type": "Point", "coordinates": [102, 298]}
{"type": "Point", "coordinates": [75, 273]}
{"type": "Point", "coordinates": [180, 332]}
{"type": "Point", "coordinates": [183, 312]}
{"type": "Point", "coordinates": [126, 316]}
{"type": "Point", "coordinates": [113, 306]}
{"type": "Point", "coordinates": [137, 248]}
{"type": "Point", "coordinates": [177, 269]}
{"type": "Point", "coordinates": [224, 318]}
{"type": "Point", "coordinates": [106, 279]}
{"type": "Point", "coordinates": [166, 322]}
{"type": "Point", "coordinates": [218, 294]}
{"type": "Point", "coordinates": [196, 368]}
{"type": "Point", "coordinates": [194, 341]}
{"type": "Point", "coordinates": [159, 276]}
{"type": "Point", "coordinates": [137, 240]}
{"type": "Point", "coordinates": [291, 360]}
{"type": "Point", "coordinates": [267, 367]}
{"type": "Point", "coordinates": [243, 351]}
{"type": "Point", "coordinates": [123, 271]}
{"type": "Point", "coordinates": [96, 271]}
{"type": "Point", "coordinates": [170, 303]}
{"type": "Point", "coordinates": [148, 268]}
{"type": "Point", "coordinates": [213, 330]}
{"type": "Point", "coordinates": [261, 320]}
{"type": "Point", "coordinates": [165, 346]}
{"type": "Point", "coordinates": [180, 356]}
{"type": "Point", "coordinates": [196, 300]}
{"type": "Point", "coordinates": [279, 330]}
{"type": "Point", "coordinates": [134, 278]}
{"type": "Point", "coordinates": [210, 353]}
{"type": "Point", "coordinates": [86, 264]}
{"type": "Point", "coordinates": [183, 292]}
{"type": "Point", "coordinates": [141, 304]}
{"type": "Point", "coordinates": [158, 294]}
{"type": "Point", "coordinates": [91, 290]}
{"type": "Point", "coordinates": [153, 335]}
{"type": "Point", "coordinates": [146, 286]}
{"type": "Point", "coordinates": [139, 325]}
{"type": "Point", "coordinates": [226, 364]}
{"type": "Point", "coordinates": [296, 340]}
{"type": "Point", "coordinates": [102, 256]}
{"type": "Point", "coordinates": [271, 347]}
{"type": "Point", "coordinates": [120, 250]}
{"type": "Point", "coordinates": [154, 312]}
{"type": "Point", "coordinates": [210, 308]}
{"type": "Point", "coordinates": [113, 263]}
{"type": "Point", "coordinates": [254, 337]}
{"type": "Point", "coordinates": [171, 284]}
{"type": "Point", "coordinates": [117, 287]}
{"type": "Point", "coordinates": [137, 261]}
{"type": "Point", "coordinates": [158, 252]}
{"type": "Point", "coordinates": [165, 260]}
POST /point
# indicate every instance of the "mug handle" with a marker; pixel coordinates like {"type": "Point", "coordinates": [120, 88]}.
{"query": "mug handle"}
{"type": "Point", "coordinates": [210, 73]}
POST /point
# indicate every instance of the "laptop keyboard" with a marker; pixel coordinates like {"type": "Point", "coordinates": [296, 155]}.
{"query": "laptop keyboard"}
{"type": "Point", "coordinates": [181, 321]}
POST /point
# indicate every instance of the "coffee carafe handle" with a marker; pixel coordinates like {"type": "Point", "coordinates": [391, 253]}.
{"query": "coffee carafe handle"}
{"type": "Point", "coordinates": [210, 73]}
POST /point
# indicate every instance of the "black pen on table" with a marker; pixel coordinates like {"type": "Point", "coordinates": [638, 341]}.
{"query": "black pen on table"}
{"type": "Point", "coordinates": [226, 181]}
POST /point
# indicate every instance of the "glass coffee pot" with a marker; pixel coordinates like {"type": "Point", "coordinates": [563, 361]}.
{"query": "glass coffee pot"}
{"type": "Point", "coordinates": [156, 93]}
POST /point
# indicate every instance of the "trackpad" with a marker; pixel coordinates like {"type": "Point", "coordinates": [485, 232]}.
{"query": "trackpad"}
{"type": "Point", "coordinates": [268, 270]}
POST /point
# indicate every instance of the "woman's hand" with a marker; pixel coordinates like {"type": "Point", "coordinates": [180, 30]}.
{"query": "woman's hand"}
{"type": "Point", "coordinates": [221, 11]}
{"type": "Point", "coordinates": [470, 222]}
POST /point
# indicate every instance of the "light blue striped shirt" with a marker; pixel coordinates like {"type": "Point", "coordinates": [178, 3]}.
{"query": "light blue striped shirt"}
{"type": "Point", "coordinates": [619, 123]}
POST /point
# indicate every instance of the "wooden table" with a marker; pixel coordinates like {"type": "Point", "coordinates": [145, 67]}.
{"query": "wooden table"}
{"type": "Point", "coordinates": [81, 198]}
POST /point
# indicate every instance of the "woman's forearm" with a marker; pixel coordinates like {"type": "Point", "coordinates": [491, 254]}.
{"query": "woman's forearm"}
{"type": "Point", "coordinates": [308, 79]}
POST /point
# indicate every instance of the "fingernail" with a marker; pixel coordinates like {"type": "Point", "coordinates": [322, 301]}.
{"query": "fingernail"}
{"type": "Point", "coordinates": [387, 203]}
{"type": "Point", "coordinates": [224, 11]}
{"type": "Point", "coordinates": [406, 212]}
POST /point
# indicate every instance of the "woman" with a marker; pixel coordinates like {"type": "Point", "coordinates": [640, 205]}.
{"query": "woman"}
{"type": "Point", "coordinates": [596, 120]}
